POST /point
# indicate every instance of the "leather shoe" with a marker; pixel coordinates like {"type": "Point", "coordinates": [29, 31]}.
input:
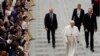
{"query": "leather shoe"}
{"type": "Point", "coordinates": [48, 41]}
{"type": "Point", "coordinates": [87, 46]}
{"type": "Point", "coordinates": [92, 50]}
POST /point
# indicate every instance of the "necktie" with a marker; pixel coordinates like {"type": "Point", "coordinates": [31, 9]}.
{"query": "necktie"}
{"type": "Point", "coordinates": [51, 16]}
{"type": "Point", "coordinates": [90, 16]}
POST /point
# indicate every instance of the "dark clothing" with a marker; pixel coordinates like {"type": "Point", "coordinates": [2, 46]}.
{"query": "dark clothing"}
{"type": "Point", "coordinates": [96, 2]}
{"type": "Point", "coordinates": [7, 26]}
{"type": "Point", "coordinates": [96, 7]}
{"type": "Point", "coordinates": [51, 24]}
{"type": "Point", "coordinates": [14, 14]}
{"type": "Point", "coordinates": [1, 15]}
{"type": "Point", "coordinates": [78, 20]}
{"type": "Point", "coordinates": [3, 44]}
{"type": "Point", "coordinates": [23, 32]}
{"type": "Point", "coordinates": [90, 23]}
{"type": "Point", "coordinates": [4, 5]}
{"type": "Point", "coordinates": [53, 36]}
{"type": "Point", "coordinates": [91, 33]}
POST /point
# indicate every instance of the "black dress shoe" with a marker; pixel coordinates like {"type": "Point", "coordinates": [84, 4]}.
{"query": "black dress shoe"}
{"type": "Point", "coordinates": [92, 50]}
{"type": "Point", "coordinates": [48, 41]}
{"type": "Point", "coordinates": [87, 46]}
{"type": "Point", "coordinates": [53, 46]}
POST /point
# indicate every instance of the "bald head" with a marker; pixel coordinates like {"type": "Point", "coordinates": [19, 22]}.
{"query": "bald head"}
{"type": "Point", "coordinates": [51, 10]}
{"type": "Point", "coordinates": [90, 10]}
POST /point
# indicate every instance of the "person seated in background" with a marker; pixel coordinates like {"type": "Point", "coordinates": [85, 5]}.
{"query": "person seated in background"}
{"type": "Point", "coordinates": [13, 27]}
{"type": "Point", "coordinates": [24, 25]}
{"type": "Point", "coordinates": [3, 44]}
{"type": "Point", "coordinates": [1, 13]}
{"type": "Point", "coordinates": [4, 6]}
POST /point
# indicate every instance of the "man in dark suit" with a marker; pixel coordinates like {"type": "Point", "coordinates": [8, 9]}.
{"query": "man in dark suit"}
{"type": "Point", "coordinates": [90, 25]}
{"type": "Point", "coordinates": [96, 7]}
{"type": "Point", "coordinates": [78, 15]}
{"type": "Point", "coordinates": [51, 25]}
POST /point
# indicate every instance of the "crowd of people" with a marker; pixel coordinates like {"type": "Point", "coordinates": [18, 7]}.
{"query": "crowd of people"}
{"type": "Point", "coordinates": [14, 25]}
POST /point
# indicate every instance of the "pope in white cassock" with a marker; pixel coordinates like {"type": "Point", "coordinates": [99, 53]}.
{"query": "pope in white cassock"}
{"type": "Point", "coordinates": [71, 34]}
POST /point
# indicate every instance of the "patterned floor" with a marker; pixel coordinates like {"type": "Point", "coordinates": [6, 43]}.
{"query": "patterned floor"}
{"type": "Point", "coordinates": [63, 9]}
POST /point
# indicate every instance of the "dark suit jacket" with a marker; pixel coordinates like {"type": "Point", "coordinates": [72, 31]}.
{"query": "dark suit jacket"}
{"type": "Point", "coordinates": [77, 20]}
{"type": "Point", "coordinates": [49, 23]}
{"type": "Point", "coordinates": [90, 23]}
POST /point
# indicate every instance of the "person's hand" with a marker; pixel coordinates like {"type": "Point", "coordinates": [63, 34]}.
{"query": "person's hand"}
{"type": "Point", "coordinates": [78, 41]}
{"type": "Point", "coordinates": [92, 4]}
{"type": "Point", "coordinates": [86, 30]}
{"type": "Point", "coordinates": [56, 29]}
{"type": "Point", "coordinates": [81, 23]}
{"type": "Point", "coordinates": [95, 30]}
{"type": "Point", "coordinates": [46, 29]}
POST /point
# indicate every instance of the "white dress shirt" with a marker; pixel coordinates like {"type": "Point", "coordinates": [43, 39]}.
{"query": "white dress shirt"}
{"type": "Point", "coordinates": [51, 16]}
{"type": "Point", "coordinates": [78, 12]}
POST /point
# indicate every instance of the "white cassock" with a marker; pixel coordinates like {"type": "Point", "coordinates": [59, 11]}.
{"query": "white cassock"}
{"type": "Point", "coordinates": [70, 38]}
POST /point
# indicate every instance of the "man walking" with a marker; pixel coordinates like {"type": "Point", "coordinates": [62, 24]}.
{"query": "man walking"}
{"type": "Point", "coordinates": [78, 15]}
{"type": "Point", "coordinates": [90, 25]}
{"type": "Point", "coordinates": [50, 22]}
{"type": "Point", "coordinates": [71, 34]}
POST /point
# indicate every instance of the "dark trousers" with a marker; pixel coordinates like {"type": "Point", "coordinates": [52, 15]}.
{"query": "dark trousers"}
{"type": "Point", "coordinates": [53, 36]}
{"type": "Point", "coordinates": [91, 33]}
{"type": "Point", "coordinates": [78, 26]}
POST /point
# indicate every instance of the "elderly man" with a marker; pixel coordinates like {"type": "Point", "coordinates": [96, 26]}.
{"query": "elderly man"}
{"type": "Point", "coordinates": [90, 25]}
{"type": "Point", "coordinates": [50, 23]}
{"type": "Point", "coordinates": [71, 34]}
